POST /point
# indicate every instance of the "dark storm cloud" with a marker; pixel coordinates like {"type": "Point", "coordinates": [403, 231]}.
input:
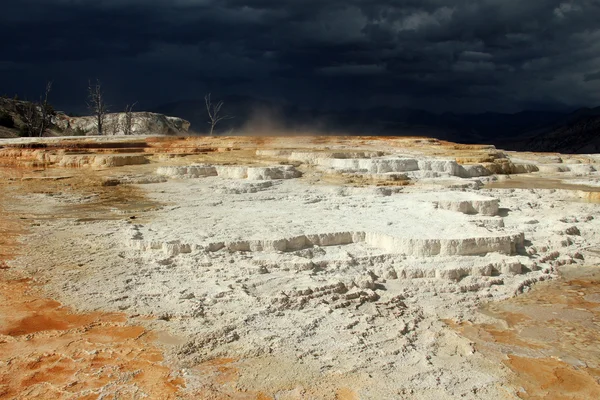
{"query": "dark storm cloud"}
{"type": "Point", "coordinates": [461, 55]}
{"type": "Point", "coordinates": [592, 77]}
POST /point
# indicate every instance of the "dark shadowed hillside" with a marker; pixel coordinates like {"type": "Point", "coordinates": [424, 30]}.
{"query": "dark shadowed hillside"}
{"type": "Point", "coordinates": [578, 132]}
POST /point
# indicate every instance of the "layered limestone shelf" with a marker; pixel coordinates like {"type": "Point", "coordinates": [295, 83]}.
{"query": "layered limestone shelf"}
{"type": "Point", "coordinates": [411, 224]}
{"type": "Point", "coordinates": [101, 160]}
{"type": "Point", "coordinates": [222, 211]}
{"type": "Point", "coordinates": [455, 271]}
{"type": "Point", "coordinates": [505, 244]}
{"type": "Point", "coordinates": [375, 163]}
{"type": "Point", "coordinates": [230, 172]}
{"type": "Point", "coordinates": [42, 158]}
{"type": "Point", "coordinates": [462, 202]}
{"type": "Point", "coordinates": [392, 266]}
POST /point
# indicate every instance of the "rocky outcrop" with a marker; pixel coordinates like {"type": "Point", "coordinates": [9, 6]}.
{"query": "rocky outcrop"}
{"type": "Point", "coordinates": [13, 114]}
{"type": "Point", "coordinates": [21, 118]}
{"type": "Point", "coordinates": [143, 123]}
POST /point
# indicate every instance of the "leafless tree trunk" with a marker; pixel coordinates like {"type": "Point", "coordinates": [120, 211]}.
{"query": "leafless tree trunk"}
{"type": "Point", "coordinates": [97, 105]}
{"type": "Point", "coordinates": [36, 116]}
{"type": "Point", "coordinates": [45, 120]}
{"type": "Point", "coordinates": [129, 119]}
{"type": "Point", "coordinates": [31, 118]}
{"type": "Point", "coordinates": [113, 127]}
{"type": "Point", "coordinates": [213, 112]}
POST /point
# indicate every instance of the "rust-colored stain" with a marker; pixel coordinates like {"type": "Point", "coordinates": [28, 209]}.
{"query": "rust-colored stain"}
{"type": "Point", "coordinates": [548, 378]}
{"type": "Point", "coordinates": [346, 394]}
{"type": "Point", "coordinates": [223, 370]}
{"type": "Point", "coordinates": [549, 337]}
{"type": "Point", "coordinates": [47, 351]}
{"type": "Point", "coordinates": [219, 378]}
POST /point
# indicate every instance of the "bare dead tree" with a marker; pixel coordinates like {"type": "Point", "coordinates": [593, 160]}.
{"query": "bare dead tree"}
{"type": "Point", "coordinates": [46, 109]}
{"type": "Point", "coordinates": [114, 126]}
{"type": "Point", "coordinates": [36, 117]}
{"type": "Point", "coordinates": [129, 119]}
{"type": "Point", "coordinates": [97, 105]}
{"type": "Point", "coordinates": [30, 118]}
{"type": "Point", "coordinates": [213, 113]}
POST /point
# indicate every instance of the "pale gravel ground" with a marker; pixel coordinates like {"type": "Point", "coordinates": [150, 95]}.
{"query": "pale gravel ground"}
{"type": "Point", "coordinates": [321, 317]}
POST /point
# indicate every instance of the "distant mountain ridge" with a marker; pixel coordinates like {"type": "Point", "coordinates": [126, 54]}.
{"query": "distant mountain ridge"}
{"type": "Point", "coordinates": [577, 132]}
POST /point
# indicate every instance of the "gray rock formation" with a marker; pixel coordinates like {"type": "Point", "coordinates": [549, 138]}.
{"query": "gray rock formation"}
{"type": "Point", "coordinates": [143, 123]}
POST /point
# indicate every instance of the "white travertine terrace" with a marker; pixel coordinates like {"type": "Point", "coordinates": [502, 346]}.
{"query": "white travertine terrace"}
{"type": "Point", "coordinates": [230, 172]}
{"type": "Point", "coordinates": [342, 258]}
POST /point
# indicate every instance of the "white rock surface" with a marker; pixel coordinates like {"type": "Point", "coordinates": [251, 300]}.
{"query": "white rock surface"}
{"type": "Point", "coordinates": [268, 262]}
{"type": "Point", "coordinates": [230, 172]}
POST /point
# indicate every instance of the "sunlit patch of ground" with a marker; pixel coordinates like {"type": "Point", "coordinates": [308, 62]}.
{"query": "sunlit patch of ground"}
{"type": "Point", "coordinates": [49, 351]}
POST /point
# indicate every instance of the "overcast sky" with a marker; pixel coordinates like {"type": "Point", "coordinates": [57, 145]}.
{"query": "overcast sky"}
{"type": "Point", "coordinates": [452, 55]}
